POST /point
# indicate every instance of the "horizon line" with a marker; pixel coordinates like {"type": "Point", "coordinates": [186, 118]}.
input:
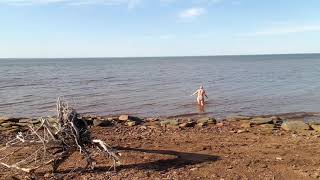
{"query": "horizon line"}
{"type": "Point", "coordinates": [178, 56]}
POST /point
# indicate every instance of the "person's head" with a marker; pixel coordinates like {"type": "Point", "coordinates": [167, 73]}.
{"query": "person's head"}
{"type": "Point", "coordinates": [201, 87]}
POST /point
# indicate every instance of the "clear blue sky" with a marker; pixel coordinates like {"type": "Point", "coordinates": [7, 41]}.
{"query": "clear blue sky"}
{"type": "Point", "coordinates": [104, 28]}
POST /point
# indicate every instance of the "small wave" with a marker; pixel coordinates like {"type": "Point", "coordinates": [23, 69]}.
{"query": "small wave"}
{"type": "Point", "coordinates": [21, 85]}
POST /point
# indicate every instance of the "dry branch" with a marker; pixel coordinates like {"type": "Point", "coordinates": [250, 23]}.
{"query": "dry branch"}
{"type": "Point", "coordinates": [52, 142]}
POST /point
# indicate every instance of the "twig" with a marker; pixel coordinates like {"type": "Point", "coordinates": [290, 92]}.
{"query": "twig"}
{"type": "Point", "coordinates": [72, 134]}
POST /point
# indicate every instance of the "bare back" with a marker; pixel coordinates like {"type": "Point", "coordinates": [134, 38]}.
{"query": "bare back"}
{"type": "Point", "coordinates": [201, 93]}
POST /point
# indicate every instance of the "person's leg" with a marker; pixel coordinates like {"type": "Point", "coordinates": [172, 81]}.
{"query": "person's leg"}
{"type": "Point", "coordinates": [202, 102]}
{"type": "Point", "coordinates": [199, 101]}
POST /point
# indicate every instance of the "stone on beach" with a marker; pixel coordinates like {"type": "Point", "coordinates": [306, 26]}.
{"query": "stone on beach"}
{"type": "Point", "coordinates": [187, 124]}
{"type": "Point", "coordinates": [171, 122]}
{"type": "Point", "coordinates": [316, 127]}
{"type": "Point", "coordinates": [124, 117]}
{"type": "Point", "coordinates": [267, 126]}
{"type": "Point", "coordinates": [261, 120]}
{"type": "Point", "coordinates": [246, 124]}
{"type": "Point", "coordinates": [207, 120]}
{"type": "Point", "coordinates": [129, 118]}
{"type": "Point", "coordinates": [8, 119]}
{"type": "Point", "coordinates": [22, 124]}
{"type": "Point", "coordinates": [4, 119]}
{"type": "Point", "coordinates": [35, 121]}
{"type": "Point", "coordinates": [102, 123]}
{"type": "Point", "coordinates": [131, 123]}
{"type": "Point", "coordinates": [237, 118]}
{"type": "Point", "coordinates": [7, 124]}
{"type": "Point", "coordinates": [201, 124]}
{"type": "Point", "coordinates": [25, 120]}
{"type": "Point", "coordinates": [295, 126]}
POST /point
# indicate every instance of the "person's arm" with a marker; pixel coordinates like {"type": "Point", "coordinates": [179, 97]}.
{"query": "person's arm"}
{"type": "Point", "coordinates": [206, 95]}
{"type": "Point", "coordinates": [195, 93]}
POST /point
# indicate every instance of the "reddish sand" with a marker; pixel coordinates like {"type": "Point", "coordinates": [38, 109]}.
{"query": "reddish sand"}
{"type": "Point", "coordinates": [212, 152]}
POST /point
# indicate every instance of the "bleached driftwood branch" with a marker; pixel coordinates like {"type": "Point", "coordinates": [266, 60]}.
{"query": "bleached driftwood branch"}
{"type": "Point", "coordinates": [52, 142]}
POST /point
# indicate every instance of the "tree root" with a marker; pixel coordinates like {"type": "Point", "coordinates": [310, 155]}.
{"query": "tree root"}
{"type": "Point", "coordinates": [53, 143]}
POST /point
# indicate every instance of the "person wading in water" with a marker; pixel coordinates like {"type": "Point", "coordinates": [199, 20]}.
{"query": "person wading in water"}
{"type": "Point", "coordinates": [201, 93]}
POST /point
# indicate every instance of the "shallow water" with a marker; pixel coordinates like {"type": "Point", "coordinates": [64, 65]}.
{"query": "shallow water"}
{"type": "Point", "coordinates": [248, 85]}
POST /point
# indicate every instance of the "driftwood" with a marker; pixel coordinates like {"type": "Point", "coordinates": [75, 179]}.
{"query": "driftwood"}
{"type": "Point", "coordinates": [52, 142]}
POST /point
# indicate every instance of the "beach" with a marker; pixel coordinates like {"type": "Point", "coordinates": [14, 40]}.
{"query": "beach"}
{"type": "Point", "coordinates": [159, 90]}
{"type": "Point", "coordinates": [237, 147]}
{"type": "Point", "coordinates": [260, 120]}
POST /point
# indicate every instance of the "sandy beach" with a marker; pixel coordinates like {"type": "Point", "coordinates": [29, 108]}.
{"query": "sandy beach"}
{"type": "Point", "coordinates": [238, 147]}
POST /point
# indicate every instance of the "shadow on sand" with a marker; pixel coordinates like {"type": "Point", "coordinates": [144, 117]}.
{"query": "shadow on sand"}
{"type": "Point", "coordinates": [181, 159]}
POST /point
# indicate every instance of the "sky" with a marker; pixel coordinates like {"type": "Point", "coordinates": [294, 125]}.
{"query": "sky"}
{"type": "Point", "coordinates": [134, 28]}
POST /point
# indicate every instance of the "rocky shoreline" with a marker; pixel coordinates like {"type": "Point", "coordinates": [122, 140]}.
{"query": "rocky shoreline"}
{"type": "Point", "coordinates": [297, 122]}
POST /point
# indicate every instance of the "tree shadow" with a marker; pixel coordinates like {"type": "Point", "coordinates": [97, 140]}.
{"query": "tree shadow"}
{"type": "Point", "coordinates": [181, 160]}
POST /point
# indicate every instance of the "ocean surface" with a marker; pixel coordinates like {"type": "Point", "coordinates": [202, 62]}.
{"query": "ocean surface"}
{"type": "Point", "coordinates": [248, 85]}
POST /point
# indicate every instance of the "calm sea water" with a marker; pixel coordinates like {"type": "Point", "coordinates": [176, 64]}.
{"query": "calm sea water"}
{"type": "Point", "coordinates": [246, 85]}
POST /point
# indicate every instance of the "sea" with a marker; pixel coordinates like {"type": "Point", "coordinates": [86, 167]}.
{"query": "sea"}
{"type": "Point", "coordinates": [162, 86]}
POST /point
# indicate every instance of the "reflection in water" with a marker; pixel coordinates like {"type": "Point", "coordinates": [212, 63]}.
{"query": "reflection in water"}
{"type": "Point", "coordinates": [201, 109]}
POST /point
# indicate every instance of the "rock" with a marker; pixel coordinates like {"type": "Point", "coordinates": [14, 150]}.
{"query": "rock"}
{"type": "Point", "coordinates": [22, 124]}
{"type": "Point", "coordinates": [143, 127]}
{"type": "Point", "coordinates": [316, 127]}
{"type": "Point", "coordinates": [4, 118]}
{"type": "Point", "coordinates": [261, 120]}
{"type": "Point", "coordinates": [202, 124]}
{"type": "Point", "coordinates": [101, 123]}
{"type": "Point", "coordinates": [35, 121]}
{"type": "Point", "coordinates": [220, 124]}
{"type": "Point", "coordinates": [241, 131]}
{"type": "Point", "coordinates": [131, 123]}
{"type": "Point", "coordinates": [8, 119]}
{"type": "Point", "coordinates": [187, 124]}
{"type": "Point", "coordinates": [7, 124]}
{"type": "Point", "coordinates": [26, 120]}
{"type": "Point", "coordinates": [110, 119]}
{"type": "Point", "coordinates": [207, 120]}
{"type": "Point", "coordinates": [193, 169]}
{"type": "Point", "coordinates": [295, 126]}
{"type": "Point", "coordinates": [124, 117]}
{"type": "Point", "coordinates": [267, 126]}
{"type": "Point", "coordinates": [237, 118]}
{"type": "Point", "coordinates": [172, 122]}
{"type": "Point", "coordinates": [245, 125]}
{"type": "Point", "coordinates": [15, 127]}
{"type": "Point", "coordinates": [129, 118]}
